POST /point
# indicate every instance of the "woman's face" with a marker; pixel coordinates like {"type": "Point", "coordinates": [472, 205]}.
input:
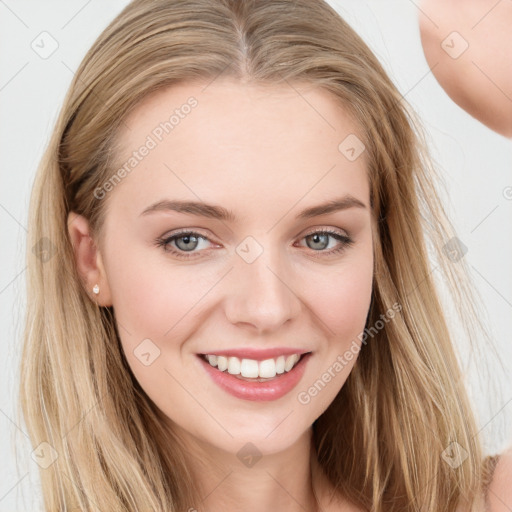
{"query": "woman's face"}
{"type": "Point", "coordinates": [257, 284]}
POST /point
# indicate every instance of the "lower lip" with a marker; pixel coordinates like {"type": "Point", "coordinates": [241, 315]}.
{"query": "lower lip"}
{"type": "Point", "coordinates": [258, 391]}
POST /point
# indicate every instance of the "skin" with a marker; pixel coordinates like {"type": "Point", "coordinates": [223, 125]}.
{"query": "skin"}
{"type": "Point", "coordinates": [500, 491]}
{"type": "Point", "coordinates": [263, 153]}
{"type": "Point", "coordinates": [266, 153]}
{"type": "Point", "coordinates": [479, 80]}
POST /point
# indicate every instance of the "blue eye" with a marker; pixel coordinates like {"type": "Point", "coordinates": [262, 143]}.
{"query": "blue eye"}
{"type": "Point", "coordinates": [325, 235]}
{"type": "Point", "coordinates": [187, 241]}
{"type": "Point", "coordinates": [190, 241]}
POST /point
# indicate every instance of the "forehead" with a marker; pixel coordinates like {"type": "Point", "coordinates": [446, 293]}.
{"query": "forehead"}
{"type": "Point", "coordinates": [256, 141]}
{"type": "Point", "coordinates": [224, 106]}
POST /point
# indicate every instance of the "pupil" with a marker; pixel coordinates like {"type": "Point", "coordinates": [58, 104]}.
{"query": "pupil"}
{"type": "Point", "coordinates": [187, 239]}
{"type": "Point", "coordinates": [316, 237]}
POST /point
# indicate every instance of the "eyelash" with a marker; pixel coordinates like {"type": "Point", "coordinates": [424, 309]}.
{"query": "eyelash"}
{"type": "Point", "coordinates": [164, 241]}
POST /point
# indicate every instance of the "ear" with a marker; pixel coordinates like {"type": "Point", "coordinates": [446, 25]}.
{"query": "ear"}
{"type": "Point", "coordinates": [88, 259]}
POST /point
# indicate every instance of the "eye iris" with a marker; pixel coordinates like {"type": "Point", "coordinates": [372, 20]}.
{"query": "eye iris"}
{"type": "Point", "coordinates": [315, 238]}
{"type": "Point", "coordinates": [187, 239]}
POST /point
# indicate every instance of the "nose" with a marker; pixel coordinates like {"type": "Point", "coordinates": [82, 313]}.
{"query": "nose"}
{"type": "Point", "coordinates": [261, 295]}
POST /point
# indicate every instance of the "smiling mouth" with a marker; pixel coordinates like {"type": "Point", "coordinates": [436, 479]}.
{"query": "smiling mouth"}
{"type": "Point", "coordinates": [273, 385]}
{"type": "Point", "coordinates": [252, 370]}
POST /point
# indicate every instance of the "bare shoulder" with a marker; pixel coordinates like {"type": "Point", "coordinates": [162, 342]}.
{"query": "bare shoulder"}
{"type": "Point", "coordinates": [500, 488]}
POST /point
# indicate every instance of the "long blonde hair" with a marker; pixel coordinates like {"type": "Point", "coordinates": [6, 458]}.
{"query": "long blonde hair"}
{"type": "Point", "coordinates": [381, 440]}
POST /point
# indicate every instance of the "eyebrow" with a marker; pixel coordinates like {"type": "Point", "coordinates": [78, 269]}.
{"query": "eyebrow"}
{"type": "Point", "coordinates": [221, 213]}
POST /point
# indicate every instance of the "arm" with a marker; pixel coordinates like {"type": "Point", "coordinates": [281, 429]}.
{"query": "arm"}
{"type": "Point", "coordinates": [474, 66]}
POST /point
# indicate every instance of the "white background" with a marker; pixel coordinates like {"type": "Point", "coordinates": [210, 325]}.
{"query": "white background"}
{"type": "Point", "coordinates": [476, 165]}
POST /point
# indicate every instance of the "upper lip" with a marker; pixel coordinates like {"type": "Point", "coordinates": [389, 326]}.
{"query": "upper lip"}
{"type": "Point", "coordinates": [259, 354]}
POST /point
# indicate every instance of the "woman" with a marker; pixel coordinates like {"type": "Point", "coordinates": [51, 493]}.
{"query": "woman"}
{"type": "Point", "coordinates": [195, 348]}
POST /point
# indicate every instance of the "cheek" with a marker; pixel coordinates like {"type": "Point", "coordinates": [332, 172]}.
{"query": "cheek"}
{"type": "Point", "coordinates": [155, 303]}
{"type": "Point", "coordinates": [158, 307]}
{"type": "Point", "coordinates": [150, 297]}
{"type": "Point", "coordinates": [343, 300]}
{"type": "Point", "coordinates": [342, 306]}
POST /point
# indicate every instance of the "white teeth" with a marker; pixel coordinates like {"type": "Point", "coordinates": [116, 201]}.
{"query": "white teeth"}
{"type": "Point", "coordinates": [234, 365]}
{"type": "Point", "coordinates": [222, 363]}
{"type": "Point", "coordinates": [280, 364]}
{"type": "Point", "coordinates": [268, 368]}
{"type": "Point", "coordinates": [250, 368]}
{"type": "Point", "coordinates": [290, 362]}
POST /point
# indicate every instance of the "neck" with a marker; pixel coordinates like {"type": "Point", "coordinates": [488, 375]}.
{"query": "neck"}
{"type": "Point", "coordinates": [283, 480]}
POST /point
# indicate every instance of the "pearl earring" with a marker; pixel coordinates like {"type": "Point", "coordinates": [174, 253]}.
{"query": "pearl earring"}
{"type": "Point", "coordinates": [96, 289]}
